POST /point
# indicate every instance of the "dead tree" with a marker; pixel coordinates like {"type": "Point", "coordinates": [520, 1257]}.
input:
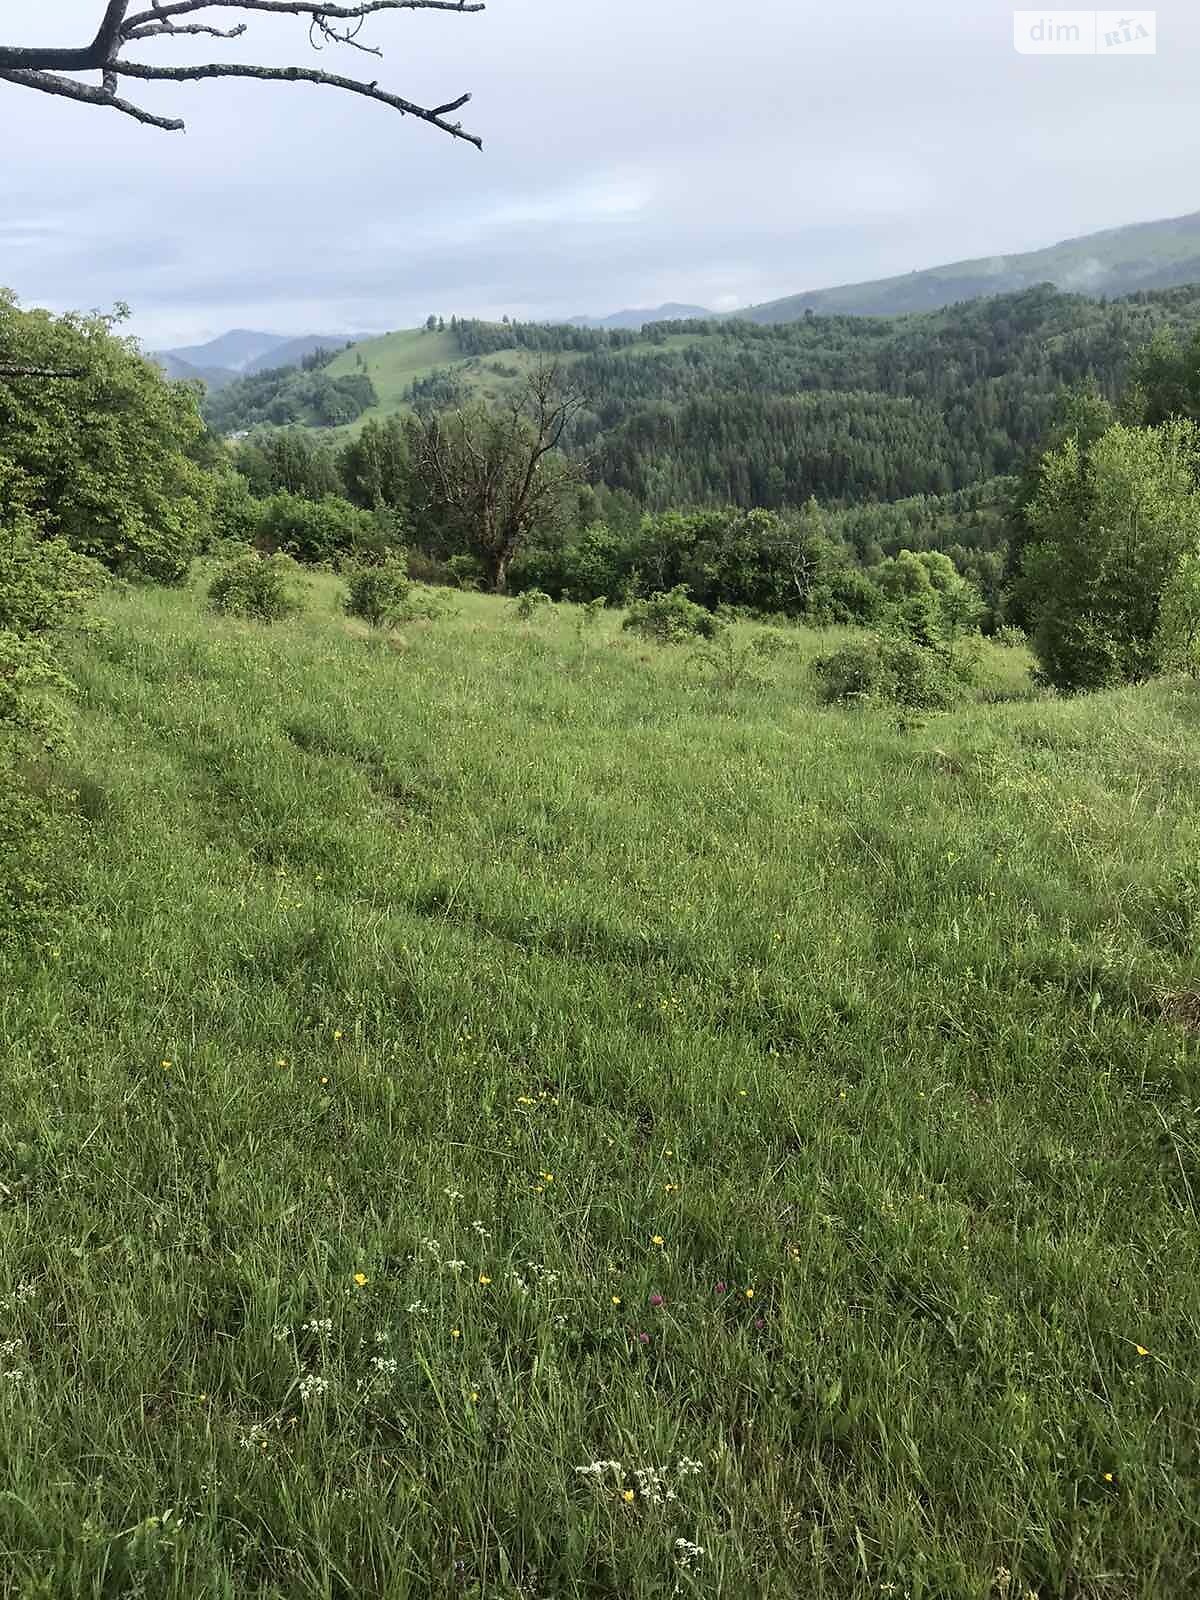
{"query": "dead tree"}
{"type": "Point", "coordinates": [494, 477]}
{"type": "Point", "coordinates": [54, 71]}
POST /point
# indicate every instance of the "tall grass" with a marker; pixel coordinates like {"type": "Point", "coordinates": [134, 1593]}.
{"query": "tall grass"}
{"type": "Point", "coordinates": [496, 1052]}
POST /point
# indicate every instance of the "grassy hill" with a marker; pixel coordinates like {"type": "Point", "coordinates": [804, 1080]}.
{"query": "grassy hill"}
{"type": "Point", "coordinates": [506, 1116]}
{"type": "Point", "coordinates": [1119, 261]}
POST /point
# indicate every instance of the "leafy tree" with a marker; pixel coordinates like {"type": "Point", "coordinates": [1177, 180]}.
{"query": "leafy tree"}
{"type": "Point", "coordinates": [375, 469]}
{"type": "Point", "coordinates": [1178, 640]}
{"type": "Point", "coordinates": [289, 461]}
{"type": "Point", "coordinates": [109, 450]}
{"type": "Point", "coordinates": [1109, 527]}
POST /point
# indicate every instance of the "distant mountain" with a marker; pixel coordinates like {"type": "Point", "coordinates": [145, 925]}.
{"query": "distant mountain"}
{"type": "Point", "coordinates": [291, 352]}
{"type": "Point", "coordinates": [1119, 261]}
{"type": "Point", "coordinates": [179, 371]}
{"type": "Point", "coordinates": [639, 319]}
{"type": "Point", "coordinates": [243, 352]}
{"type": "Point", "coordinates": [233, 351]}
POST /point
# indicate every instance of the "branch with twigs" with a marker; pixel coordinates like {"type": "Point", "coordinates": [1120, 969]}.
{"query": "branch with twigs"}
{"type": "Point", "coordinates": [52, 71]}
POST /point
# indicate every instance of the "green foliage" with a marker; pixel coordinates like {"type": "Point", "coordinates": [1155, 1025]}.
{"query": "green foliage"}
{"type": "Point", "coordinates": [322, 530]}
{"type": "Point", "coordinates": [44, 588]}
{"type": "Point", "coordinates": [928, 599]}
{"type": "Point", "coordinates": [466, 571]}
{"type": "Point", "coordinates": [40, 836]}
{"type": "Point", "coordinates": [288, 461]}
{"type": "Point", "coordinates": [529, 603]}
{"type": "Point", "coordinates": [284, 396]}
{"type": "Point", "coordinates": [375, 468]}
{"type": "Point", "coordinates": [254, 587]}
{"type": "Point", "coordinates": [236, 515]}
{"type": "Point", "coordinates": [1109, 526]}
{"type": "Point", "coordinates": [671, 618]}
{"type": "Point", "coordinates": [894, 669]}
{"type": "Point", "coordinates": [108, 457]}
{"type": "Point", "coordinates": [380, 594]}
{"type": "Point", "coordinates": [1177, 642]}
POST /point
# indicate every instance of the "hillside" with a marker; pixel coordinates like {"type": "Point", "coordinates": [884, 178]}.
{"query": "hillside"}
{"type": "Point", "coordinates": [641, 319]}
{"type": "Point", "coordinates": [1118, 261]}
{"type": "Point", "coordinates": [845, 408]}
{"type": "Point", "coordinates": [648, 1115]}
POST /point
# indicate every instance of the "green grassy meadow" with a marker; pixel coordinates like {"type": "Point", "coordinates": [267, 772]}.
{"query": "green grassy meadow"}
{"type": "Point", "coordinates": [395, 361]}
{"type": "Point", "coordinates": [508, 1112]}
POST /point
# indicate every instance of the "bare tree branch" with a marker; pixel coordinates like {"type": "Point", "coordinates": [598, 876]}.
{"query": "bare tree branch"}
{"type": "Point", "coordinates": [43, 69]}
{"type": "Point", "coordinates": [51, 83]}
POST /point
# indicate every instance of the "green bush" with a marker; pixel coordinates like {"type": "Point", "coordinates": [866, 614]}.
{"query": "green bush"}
{"type": "Point", "coordinates": [530, 602]}
{"type": "Point", "coordinates": [255, 587]}
{"type": "Point", "coordinates": [672, 618]}
{"type": "Point", "coordinates": [892, 669]}
{"type": "Point", "coordinates": [322, 530]}
{"type": "Point", "coordinates": [380, 594]}
{"type": "Point", "coordinates": [40, 835]}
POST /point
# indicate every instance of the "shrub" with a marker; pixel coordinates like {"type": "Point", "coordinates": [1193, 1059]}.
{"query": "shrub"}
{"type": "Point", "coordinates": [255, 587]}
{"type": "Point", "coordinates": [380, 594]}
{"type": "Point", "coordinates": [321, 530]}
{"type": "Point", "coordinates": [672, 618]}
{"type": "Point", "coordinates": [39, 836]}
{"type": "Point", "coordinates": [1011, 637]}
{"type": "Point", "coordinates": [891, 669]}
{"type": "Point", "coordinates": [236, 514]}
{"type": "Point", "coordinates": [466, 572]}
{"type": "Point", "coordinates": [530, 603]}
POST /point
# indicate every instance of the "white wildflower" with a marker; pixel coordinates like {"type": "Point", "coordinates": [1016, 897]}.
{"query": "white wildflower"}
{"type": "Point", "coordinates": [418, 1308]}
{"type": "Point", "coordinates": [687, 1553]}
{"type": "Point", "coordinates": [313, 1387]}
{"type": "Point", "coordinates": [685, 1467]}
{"type": "Point", "coordinates": [320, 1325]}
{"type": "Point", "coordinates": [455, 1266]}
{"type": "Point", "coordinates": [452, 1194]}
{"type": "Point", "coordinates": [479, 1228]}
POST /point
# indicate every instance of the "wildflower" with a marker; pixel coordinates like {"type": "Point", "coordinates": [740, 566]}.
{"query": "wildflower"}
{"type": "Point", "coordinates": [480, 1229]}
{"type": "Point", "coordinates": [671, 1188]}
{"type": "Point", "coordinates": [656, 1300]}
{"type": "Point", "coordinates": [686, 1467]}
{"type": "Point", "coordinates": [1141, 1350]}
{"type": "Point", "coordinates": [616, 1299]}
{"type": "Point", "coordinates": [312, 1387]}
{"type": "Point", "coordinates": [474, 1396]}
{"type": "Point", "coordinates": [627, 1495]}
{"type": "Point", "coordinates": [484, 1279]}
{"type": "Point", "coordinates": [455, 1333]}
{"type": "Point", "coordinates": [759, 1323]}
{"type": "Point", "coordinates": [324, 1080]}
{"type": "Point", "coordinates": [418, 1308]}
{"type": "Point", "coordinates": [281, 1062]}
{"type": "Point", "coordinates": [166, 1066]}
{"type": "Point", "coordinates": [686, 1552]}
{"type": "Point", "coordinates": [456, 1267]}
{"type": "Point", "coordinates": [658, 1240]}
{"type": "Point", "coordinates": [749, 1294]}
{"type": "Point", "coordinates": [337, 1033]}
{"type": "Point", "coordinates": [320, 1325]}
{"type": "Point", "coordinates": [643, 1338]}
{"type": "Point", "coordinates": [386, 1366]}
{"type": "Point", "coordinates": [360, 1279]}
{"type": "Point", "coordinates": [720, 1287]}
{"type": "Point", "coordinates": [526, 1100]}
{"type": "Point", "coordinates": [547, 1177]}
{"type": "Point", "coordinates": [1108, 1477]}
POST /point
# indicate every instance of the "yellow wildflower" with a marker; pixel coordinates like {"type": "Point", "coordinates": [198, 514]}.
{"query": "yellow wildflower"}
{"type": "Point", "coordinates": [1141, 1349]}
{"type": "Point", "coordinates": [360, 1279]}
{"type": "Point", "coordinates": [484, 1279]}
{"type": "Point", "coordinates": [658, 1239]}
{"type": "Point", "coordinates": [616, 1299]}
{"type": "Point", "coordinates": [627, 1496]}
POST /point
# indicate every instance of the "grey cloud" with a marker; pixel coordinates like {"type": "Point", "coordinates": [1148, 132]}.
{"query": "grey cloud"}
{"type": "Point", "coordinates": [635, 153]}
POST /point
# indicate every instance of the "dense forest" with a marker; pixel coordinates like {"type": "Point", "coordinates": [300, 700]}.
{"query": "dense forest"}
{"type": "Point", "coordinates": [847, 409]}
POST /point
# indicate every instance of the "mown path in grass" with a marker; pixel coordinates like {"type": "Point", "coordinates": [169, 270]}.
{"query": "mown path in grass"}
{"type": "Point", "coordinates": [487, 1056]}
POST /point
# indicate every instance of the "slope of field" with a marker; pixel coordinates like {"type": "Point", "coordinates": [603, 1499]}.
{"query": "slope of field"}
{"type": "Point", "coordinates": [1118, 261]}
{"type": "Point", "coordinates": [513, 1120]}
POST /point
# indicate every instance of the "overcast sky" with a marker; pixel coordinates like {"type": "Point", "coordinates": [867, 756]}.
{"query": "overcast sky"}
{"type": "Point", "coordinates": [636, 151]}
